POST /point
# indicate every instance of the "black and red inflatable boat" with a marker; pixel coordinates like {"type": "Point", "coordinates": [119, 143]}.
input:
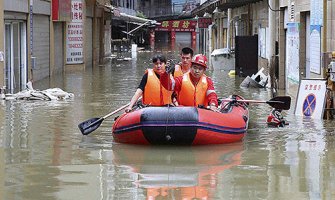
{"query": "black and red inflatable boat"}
{"type": "Point", "coordinates": [183, 125]}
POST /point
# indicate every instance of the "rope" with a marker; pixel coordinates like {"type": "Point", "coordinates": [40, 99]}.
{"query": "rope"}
{"type": "Point", "coordinates": [167, 136]}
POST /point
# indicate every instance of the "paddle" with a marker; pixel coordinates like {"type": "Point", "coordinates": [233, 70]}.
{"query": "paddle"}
{"type": "Point", "coordinates": [279, 102]}
{"type": "Point", "coordinates": [90, 125]}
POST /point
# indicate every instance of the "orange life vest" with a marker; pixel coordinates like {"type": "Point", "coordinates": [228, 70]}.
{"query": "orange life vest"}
{"type": "Point", "coordinates": [154, 93]}
{"type": "Point", "coordinates": [178, 71]}
{"type": "Point", "coordinates": [190, 95]}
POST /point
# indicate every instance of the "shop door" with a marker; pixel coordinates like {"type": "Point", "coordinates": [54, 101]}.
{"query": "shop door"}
{"type": "Point", "coordinates": [246, 55]}
{"type": "Point", "coordinates": [184, 39]}
{"type": "Point", "coordinates": [15, 56]}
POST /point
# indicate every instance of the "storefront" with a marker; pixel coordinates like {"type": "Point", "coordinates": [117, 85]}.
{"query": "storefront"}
{"type": "Point", "coordinates": [178, 32]}
{"type": "Point", "coordinates": [15, 55]}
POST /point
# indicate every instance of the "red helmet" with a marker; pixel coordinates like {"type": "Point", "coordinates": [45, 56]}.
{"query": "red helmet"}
{"type": "Point", "coordinates": [200, 59]}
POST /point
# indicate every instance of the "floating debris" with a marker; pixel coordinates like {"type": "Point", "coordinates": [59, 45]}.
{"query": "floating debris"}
{"type": "Point", "coordinates": [258, 80]}
{"type": "Point", "coordinates": [31, 94]}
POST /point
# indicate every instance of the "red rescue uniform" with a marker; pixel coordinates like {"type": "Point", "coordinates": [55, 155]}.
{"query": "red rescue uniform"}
{"type": "Point", "coordinates": [191, 93]}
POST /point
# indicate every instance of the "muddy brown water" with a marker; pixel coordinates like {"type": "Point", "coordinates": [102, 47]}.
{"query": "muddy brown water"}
{"type": "Point", "coordinates": [44, 156]}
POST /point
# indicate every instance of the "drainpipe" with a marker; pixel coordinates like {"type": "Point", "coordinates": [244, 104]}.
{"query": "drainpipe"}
{"type": "Point", "coordinates": [272, 28]}
{"type": "Point", "coordinates": [95, 55]}
{"type": "Point", "coordinates": [31, 58]}
{"type": "Point", "coordinates": [102, 37]}
{"type": "Point", "coordinates": [218, 30]}
{"type": "Point", "coordinates": [2, 45]}
{"type": "Point", "coordinates": [324, 38]}
{"type": "Point", "coordinates": [271, 46]}
{"type": "Point", "coordinates": [228, 28]}
{"type": "Point", "coordinates": [52, 44]}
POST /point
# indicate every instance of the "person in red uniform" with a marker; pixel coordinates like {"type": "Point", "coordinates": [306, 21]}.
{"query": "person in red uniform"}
{"type": "Point", "coordinates": [193, 88]}
{"type": "Point", "coordinates": [153, 92]}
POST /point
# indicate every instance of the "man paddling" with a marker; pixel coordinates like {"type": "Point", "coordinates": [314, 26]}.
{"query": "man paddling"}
{"type": "Point", "coordinates": [193, 88]}
{"type": "Point", "coordinates": [153, 92]}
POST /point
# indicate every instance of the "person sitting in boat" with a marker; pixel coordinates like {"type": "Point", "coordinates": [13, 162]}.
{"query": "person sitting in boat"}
{"type": "Point", "coordinates": [181, 68]}
{"type": "Point", "coordinates": [185, 64]}
{"type": "Point", "coordinates": [153, 92]}
{"type": "Point", "coordinates": [193, 88]}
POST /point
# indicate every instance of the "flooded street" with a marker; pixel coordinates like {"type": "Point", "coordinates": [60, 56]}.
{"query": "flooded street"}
{"type": "Point", "coordinates": [44, 155]}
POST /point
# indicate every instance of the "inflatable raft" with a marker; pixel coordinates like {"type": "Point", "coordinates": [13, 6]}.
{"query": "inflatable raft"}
{"type": "Point", "coordinates": [183, 125]}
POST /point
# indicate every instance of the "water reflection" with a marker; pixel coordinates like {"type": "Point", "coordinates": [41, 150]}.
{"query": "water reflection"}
{"type": "Point", "coordinates": [297, 163]}
{"type": "Point", "coordinates": [181, 172]}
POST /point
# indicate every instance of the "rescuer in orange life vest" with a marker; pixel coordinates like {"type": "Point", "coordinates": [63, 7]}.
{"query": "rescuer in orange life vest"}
{"type": "Point", "coordinates": [181, 68]}
{"type": "Point", "coordinates": [154, 93]}
{"type": "Point", "coordinates": [185, 64]}
{"type": "Point", "coordinates": [193, 88]}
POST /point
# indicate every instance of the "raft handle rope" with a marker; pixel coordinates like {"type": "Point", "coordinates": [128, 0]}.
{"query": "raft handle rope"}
{"type": "Point", "coordinates": [169, 70]}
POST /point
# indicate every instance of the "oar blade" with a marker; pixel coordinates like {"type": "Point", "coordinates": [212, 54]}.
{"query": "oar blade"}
{"type": "Point", "coordinates": [90, 125]}
{"type": "Point", "coordinates": [280, 102]}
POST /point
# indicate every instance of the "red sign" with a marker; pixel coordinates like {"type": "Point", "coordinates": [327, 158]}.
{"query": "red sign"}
{"type": "Point", "coordinates": [61, 10]}
{"type": "Point", "coordinates": [204, 22]}
{"type": "Point", "coordinates": [177, 25]}
{"type": "Point", "coordinates": [312, 87]}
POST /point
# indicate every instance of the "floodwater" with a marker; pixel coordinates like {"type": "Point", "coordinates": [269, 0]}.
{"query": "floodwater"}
{"type": "Point", "coordinates": [44, 156]}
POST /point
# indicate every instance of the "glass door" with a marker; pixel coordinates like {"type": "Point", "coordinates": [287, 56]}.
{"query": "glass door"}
{"type": "Point", "coordinates": [16, 59]}
{"type": "Point", "coordinates": [8, 59]}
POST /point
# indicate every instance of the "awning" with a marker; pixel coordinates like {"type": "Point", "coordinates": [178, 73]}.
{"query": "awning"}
{"type": "Point", "coordinates": [224, 5]}
{"type": "Point", "coordinates": [133, 19]}
{"type": "Point", "coordinates": [105, 5]}
{"type": "Point", "coordinates": [210, 5]}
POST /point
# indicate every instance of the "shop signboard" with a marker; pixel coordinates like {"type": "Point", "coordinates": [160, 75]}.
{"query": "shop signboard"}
{"type": "Point", "coordinates": [177, 25]}
{"type": "Point", "coordinates": [74, 34]}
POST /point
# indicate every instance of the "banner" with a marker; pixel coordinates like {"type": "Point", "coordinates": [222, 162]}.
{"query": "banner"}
{"type": "Point", "coordinates": [204, 22]}
{"type": "Point", "coordinates": [74, 34]}
{"type": "Point", "coordinates": [315, 49]}
{"type": "Point", "coordinates": [177, 25]}
{"type": "Point", "coordinates": [61, 10]}
{"type": "Point", "coordinates": [292, 52]}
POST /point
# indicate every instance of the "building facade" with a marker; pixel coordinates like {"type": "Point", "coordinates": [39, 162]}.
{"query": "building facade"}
{"type": "Point", "coordinates": [298, 34]}
{"type": "Point", "coordinates": [45, 37]}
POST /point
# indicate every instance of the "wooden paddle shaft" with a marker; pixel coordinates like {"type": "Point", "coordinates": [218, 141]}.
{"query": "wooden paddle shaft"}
{"type": "Point", "coordinates": [258, 101]}
{"type": "Point", "coordinates": [246, 101]}
{"type": "Point", "coordinates": [115, 111]}
{"type": "Point", "coordinates": [119, 109]}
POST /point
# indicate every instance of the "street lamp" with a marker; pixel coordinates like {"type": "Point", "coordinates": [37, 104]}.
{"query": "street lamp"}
{"type": "Point", "coordinates": [197, 32]}
{"type": "Point", "coordinates": [217, 17]}
{"type": "Point", "coordinates": [207, 14]}
{"type": "Point", "coordinates": [197, 25]}
{"type": "Point", "coordinates": [216, 10]}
